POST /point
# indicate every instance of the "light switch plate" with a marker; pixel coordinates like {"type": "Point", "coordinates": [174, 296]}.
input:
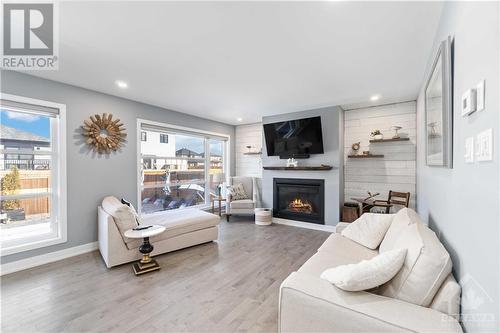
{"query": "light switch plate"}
{"type": "Point", "coordinates": [484, 145]}
{"type": "Point", "coordinates": [468, 102]}
{"type": "Point", "coordinates": [480, 96]}
{"type": "Point", "coordinates": [469, 150]}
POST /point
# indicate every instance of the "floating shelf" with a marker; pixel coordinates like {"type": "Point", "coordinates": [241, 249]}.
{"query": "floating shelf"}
{"type": "Point", "coordinates": [253, 153]}
{"type": "Point", "coordinates": [365, 156]}
{"type": "Point", "coordinates": [390, 140]}
{"type": "Point", "coordinates": [300, 168]}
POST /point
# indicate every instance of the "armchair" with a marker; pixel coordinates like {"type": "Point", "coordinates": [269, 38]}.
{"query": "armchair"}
{"type": "Point", "coordinates": [242, 206]}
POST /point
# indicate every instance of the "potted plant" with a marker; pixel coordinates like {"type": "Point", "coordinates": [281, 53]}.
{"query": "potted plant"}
{"type": "Point", "coordinates": [377, 135]}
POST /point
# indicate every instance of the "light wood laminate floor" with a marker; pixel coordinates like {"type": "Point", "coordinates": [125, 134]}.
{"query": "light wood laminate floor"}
{"type": "Point", "coordinates": [225, 286]}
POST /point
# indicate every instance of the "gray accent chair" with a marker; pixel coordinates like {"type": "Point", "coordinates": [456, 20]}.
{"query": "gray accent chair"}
{"type": "Point", "coordinates": [243, 206]}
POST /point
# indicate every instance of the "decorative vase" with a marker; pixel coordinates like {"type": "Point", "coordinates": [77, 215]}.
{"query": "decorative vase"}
{"type": "Point", "coordinates": [378, 137]}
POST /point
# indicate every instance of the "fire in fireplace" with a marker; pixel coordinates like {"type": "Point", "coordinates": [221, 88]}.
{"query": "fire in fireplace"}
{"type": "Point", "coordinates": [299, 199]}
{"type": "Point", "coordinates": [299, 206]}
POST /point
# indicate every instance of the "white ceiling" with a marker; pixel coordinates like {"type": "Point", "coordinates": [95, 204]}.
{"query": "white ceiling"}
{"type": "Point", "coordinates": [224, 60]}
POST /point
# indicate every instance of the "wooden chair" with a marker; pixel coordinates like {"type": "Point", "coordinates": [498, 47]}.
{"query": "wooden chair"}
{"type": "Point", "coordinates": [396, 198]}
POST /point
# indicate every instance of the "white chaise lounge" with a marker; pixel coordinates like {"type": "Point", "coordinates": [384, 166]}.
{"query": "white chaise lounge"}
{"type": "Point", "coordinates": [184, 228]}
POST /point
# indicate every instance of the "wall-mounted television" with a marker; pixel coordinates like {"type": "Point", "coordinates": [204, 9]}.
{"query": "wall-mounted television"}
{"type": "Point", "coordinates": [294, 138]}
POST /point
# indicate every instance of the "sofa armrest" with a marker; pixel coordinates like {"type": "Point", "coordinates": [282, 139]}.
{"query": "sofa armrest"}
{"type": "Point", "coordinates": [310, 304]}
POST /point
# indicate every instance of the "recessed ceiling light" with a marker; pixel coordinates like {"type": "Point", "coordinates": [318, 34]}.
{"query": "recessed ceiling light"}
{"type": "Point", "coordinates": [121, 84]}
{"type": "Point", "coordinates": [374, 98]}
{"type": "Point", "coordinates": [239, 119]}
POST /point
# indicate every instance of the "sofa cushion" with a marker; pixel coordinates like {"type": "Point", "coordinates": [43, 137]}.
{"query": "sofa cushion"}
{"type": "Point", "coordinates": [369, 229]}
{"type": "Point", "coordinates": [335, 251]}
{"type": "Point", "coordinates": [447, 299]}
{"type": "Point", "coordinates": [426, 266]}
{"type": "Point", "coordinates": [402, 219]}
{"type": "Point", "coordinates": [177, 222]}
{"type": "Point", "coordinates": [124, 216]}
{"type": "Point", "coordinates": [367, 274]}
{"type": "Point", "coordinates": [242, 204]}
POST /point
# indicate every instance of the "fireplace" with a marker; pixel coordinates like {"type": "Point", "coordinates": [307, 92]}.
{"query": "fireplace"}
{"type": "Point", "coordinates": [299, 199]}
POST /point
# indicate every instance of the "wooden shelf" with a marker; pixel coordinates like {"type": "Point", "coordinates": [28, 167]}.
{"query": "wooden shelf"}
{"type": "Point", "coordinates": [390, 140]}
{"type": "Point", "coordinates": [253, 153]}
{"type": "Point", "coordinates": [365, 156]}
{"type": "Point", "coordinates": [300, 168]}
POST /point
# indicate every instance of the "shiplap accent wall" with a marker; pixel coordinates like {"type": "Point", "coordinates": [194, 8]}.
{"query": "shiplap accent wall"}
{"type": "Point", "coordinates": [397, 169]}
{"type": "Point", "coordinates": [248, 135]}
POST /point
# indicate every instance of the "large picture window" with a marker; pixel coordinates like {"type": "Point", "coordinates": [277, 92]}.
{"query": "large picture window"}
{"type": "Point", "coordinates": [182, 171]}
{"type": "Point", "coordinates": [32, 171]}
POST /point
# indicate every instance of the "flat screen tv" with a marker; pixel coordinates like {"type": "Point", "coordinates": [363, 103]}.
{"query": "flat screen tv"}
{"type": "Point", "coordinates": [294, 138]}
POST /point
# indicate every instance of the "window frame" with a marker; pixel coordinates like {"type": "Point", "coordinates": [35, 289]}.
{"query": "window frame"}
{"type": "Point", "coordinates": [183, 131]}
{"type": "Point", "coordinates": [145, 136]}
{"type": "Point", "coordinates": [59, 209]}
{"type": "Point", "coordinates": [162, 136]}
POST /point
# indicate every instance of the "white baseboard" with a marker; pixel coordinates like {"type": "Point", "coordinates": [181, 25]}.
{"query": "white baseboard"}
{"type": "Point", "coordinates": [314, 226]}
{"type": "Point", "coordinates": [43, 259]}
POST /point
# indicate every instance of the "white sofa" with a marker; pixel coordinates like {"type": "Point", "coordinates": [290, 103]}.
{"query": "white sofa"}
{"type": "Point", "coordinates": [184, 228]}
{"type": "Point", "coordinates": [422, 297]}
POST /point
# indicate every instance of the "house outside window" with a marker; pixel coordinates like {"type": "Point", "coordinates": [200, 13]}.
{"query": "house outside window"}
{"type": "Point", "coordinates": [178, 173]}
{"type": "Point", "coordinates": [33, 174]}
{"type": "Point", "coordinates": [164, 138]}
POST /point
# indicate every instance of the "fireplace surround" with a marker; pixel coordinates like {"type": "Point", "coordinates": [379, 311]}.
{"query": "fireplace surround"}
{"type": "Point", "coordinates": [299, 199]}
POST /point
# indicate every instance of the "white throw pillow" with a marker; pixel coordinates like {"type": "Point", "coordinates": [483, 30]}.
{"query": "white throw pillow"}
{"type": "Point", "coordinates": [237, 192]}
{"type": "Point", "coordinates": [124, 216]}
{"type": "Point", "coordinates": [369, 230]}
{"type": "Point", "coordinates": [366, 274]}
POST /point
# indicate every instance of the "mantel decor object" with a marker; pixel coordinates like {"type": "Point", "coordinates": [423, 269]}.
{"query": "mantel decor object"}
{"type": "Point", "coordinates": [377, 135]}
{"type": "Point", "coordinates": [104, 134]}
{"type": "Point", "coordinates": [355, 147]}
{"type": "Point", "coordinates": [396, 129]}
{"type": "Point", "coordinates": [292, 163]}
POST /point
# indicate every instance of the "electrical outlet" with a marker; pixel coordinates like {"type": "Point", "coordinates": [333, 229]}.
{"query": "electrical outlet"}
{"type": "Point", "coordinates": [484, 145]}
{"type": "Point", "coordinates": [480, 96]}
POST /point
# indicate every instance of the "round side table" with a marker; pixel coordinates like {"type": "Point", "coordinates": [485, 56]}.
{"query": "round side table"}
{"type": "Point", "coordinates": [263, 216]}
{"type": "Point", "coordinates": [146, 264]}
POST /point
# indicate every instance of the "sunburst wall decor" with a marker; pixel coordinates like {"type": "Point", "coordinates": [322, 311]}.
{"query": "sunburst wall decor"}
{"type": "Point", "coordinates": [103, 133]}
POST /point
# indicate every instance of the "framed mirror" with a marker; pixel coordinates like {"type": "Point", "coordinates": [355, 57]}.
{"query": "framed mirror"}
{"type": "Point", "coordinates": [439, 108]}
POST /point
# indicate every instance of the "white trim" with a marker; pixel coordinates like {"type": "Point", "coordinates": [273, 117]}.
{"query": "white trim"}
{"type": "Point", "coordinates": [305, 225]}
{"type": "Point", "coordinates": [43, 259]}
{"type": "Point", "coordinates": [58, 146]}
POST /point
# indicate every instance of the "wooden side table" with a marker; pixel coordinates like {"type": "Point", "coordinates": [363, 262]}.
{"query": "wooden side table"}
{"type": "Point", "coordinates": [146, 264]}
{"type": "Point", "coordinates": [220, 199]}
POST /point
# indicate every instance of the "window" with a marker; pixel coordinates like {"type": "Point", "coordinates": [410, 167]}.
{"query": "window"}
{"type": "Point", "coordinates": [33, 174]}
{"type": "Point", "coordinates": [144, 136]}
{"type": "Point", "coordinates": [163, 138]}
{"type": "Point", "coordinates": [178, 171]}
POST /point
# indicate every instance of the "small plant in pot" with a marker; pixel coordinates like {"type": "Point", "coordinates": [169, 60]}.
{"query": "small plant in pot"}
{"type": "Point", "coordinates": [377, 135]}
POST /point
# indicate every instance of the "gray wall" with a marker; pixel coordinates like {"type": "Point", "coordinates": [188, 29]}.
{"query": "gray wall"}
{"type": "Point", "coordinates": [332, 127]}
{"type": "Point", "coordinates": [462, 204]}
{"type": "Point", "coordinates": [91, 177]}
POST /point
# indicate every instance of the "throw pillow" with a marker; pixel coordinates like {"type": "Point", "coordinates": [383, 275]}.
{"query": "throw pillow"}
{"type": "Point", "coordinates": [366, 274]}
{"type": "Point", "coordinates": [123, 215]}
{"type": "Point", "coordinates": [369, 230]}
{"type": "Point", "coordinates": [128, 203]}
{"type": "Point", "coordinates": [237, 192]}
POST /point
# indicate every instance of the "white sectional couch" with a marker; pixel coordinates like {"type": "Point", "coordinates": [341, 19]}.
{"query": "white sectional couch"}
{"type": "Point", "coordinates": [422, 297]}
{"type": "Point", "coordinates": [184, 228]}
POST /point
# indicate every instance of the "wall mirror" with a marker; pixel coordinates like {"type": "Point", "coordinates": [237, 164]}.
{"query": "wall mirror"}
{"type": "Point", "coordinates": [439, 108]}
